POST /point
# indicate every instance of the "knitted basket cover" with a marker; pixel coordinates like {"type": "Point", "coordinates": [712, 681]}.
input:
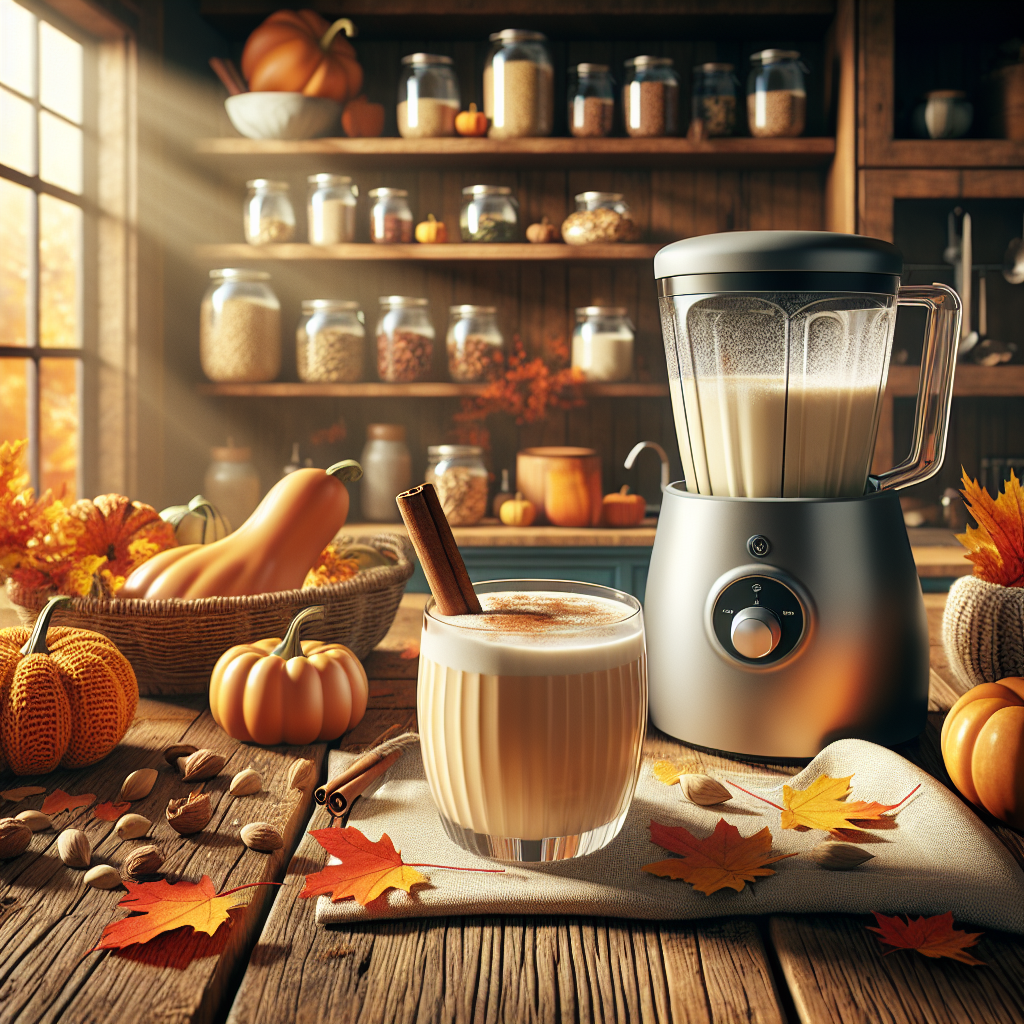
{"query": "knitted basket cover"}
{"type": "Point", "coordinates": [983, 630]}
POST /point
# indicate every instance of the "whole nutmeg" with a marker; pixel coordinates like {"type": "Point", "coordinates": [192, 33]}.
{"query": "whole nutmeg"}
{"type": "Point", "coordinates": [103, 876]}
{"type": "Point", "coordinates": [74, 848]}
{"type": "Point", "coordinates": [246, 782]}
{"type": "Point", "coordinates": [262, 836]}
{"type": "Point", "coordinates": [132, 826]}
{"type": "Point", "coordinates": [143, 860]}
{"type": "Point", "coordinates": [139, 784]}
{"type": "Point", "coordinates": [301, 774]}
{"type": "Point", "coordinates": [14, 838]}
{"type": "Point", "coordinates": [202, 764]}
{"type": "Point", "coordinates": [35, 820]}
{"type": "Point", "coordinates": [191, 814]}
{"type": "Point", "coordinates": [703, 790]}
{"type": "Point", "coordinates": [171, 754]}
{"type": "Point", "coordinates": [839, 856]}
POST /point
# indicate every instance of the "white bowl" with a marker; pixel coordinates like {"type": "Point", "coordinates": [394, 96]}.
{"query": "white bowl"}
{"type": "Point", "coordinates": [283, 115]}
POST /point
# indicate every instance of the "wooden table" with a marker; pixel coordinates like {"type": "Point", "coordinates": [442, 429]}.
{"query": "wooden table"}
{"type": "Point", "coordinates": [276, 966]}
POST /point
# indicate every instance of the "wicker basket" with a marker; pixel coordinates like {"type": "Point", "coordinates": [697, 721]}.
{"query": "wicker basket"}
{"type": "Point", "coordinates": [174, 644]}
{"type": "Point", "coordinates": [983, 630]}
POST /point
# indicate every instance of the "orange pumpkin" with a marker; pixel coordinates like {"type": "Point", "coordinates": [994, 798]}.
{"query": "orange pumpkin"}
{"type": "Point", "coordinates": [983, 748]}
{"type": "Point", "coordinates": [67, 696]}
{"type": "Point", "coordinates": [362, 119]}
{"type": "Point", "coordinates": [431, 231]}
{"type": "Point", "coordinates": [298, 51]}
{"type": "Point", "coordinates": [569, 499]}
{"type": "Point", "coordinates": [281, 691]}
{"type": "Point", "coordinates": [623, 508]}
{"type": "Point", "coordinates": [517, 511]}
{"type": "Point", "coordinates": [471, 122]}
{"type": "Point", "coordinates": [123, 531]}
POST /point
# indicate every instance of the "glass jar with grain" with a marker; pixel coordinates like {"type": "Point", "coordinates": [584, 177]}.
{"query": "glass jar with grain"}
{"type": "Point", "coordinates": [489, 213]}
{"type": "Point", "coordinates": [268, 215]}
{"type": "Point", "coordinates": [776, 94]}
{"type": "Point", "coordinates": [650, 97]}
{"type": "Point", "coordinates": [714, 98]}
{"type": "Point", "coordinates": [602, 343]}
{"type": "Point", "coordinates": [519, 85]}
{"type": "Point", "coordinates": [405, 339]}
{"type": "Point", "coordinates": [600, 217]}
{"type": "Point", "coordinates": [476, 349]}
{"type": "Point", "coordinates": [329, 341]}
{"type": "Point", "coordinates": [240, 328]}
{"type": "Point", "coordinates": [591, 101]}
{"type": "Point", "coordinates": [331, 209]}
{"type": "Point", "coordinates": [428, 96]}
{"type": "Point", "coordinates": [390, 216]}
{"type": "Point", "coordinates": [461, 481]}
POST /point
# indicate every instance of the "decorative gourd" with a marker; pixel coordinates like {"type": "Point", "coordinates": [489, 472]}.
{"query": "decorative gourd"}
{"type": "Point", "coordinates": [543, 232]}
{"type": "Point", "coordinates": [272, 550]}
{"type": "Point", "coordinates": [123, 531]}
{"type": "Point", "coordinates": [623, 508]}
{"type": "Point", "coordinates": [298, 51]}
{"type": "Point", "coordinates": [431, 230]}
{"type": "Point", "coordinates": [281, 691]}
{"type": "Point", "coordinates": [567, 499]}
{"type": "Point", "coordinates": [518, 511]}
{"type": "Point", "coordinates": [471, 122]}
{"type": "Point", "coordinates": [983, 748]}
{"type": "Point", "coordinates": [67, 696]}
{"type": "Point", "coordinates": [362, 119]}
{"type": "Point", "coordinates": [198, 522]}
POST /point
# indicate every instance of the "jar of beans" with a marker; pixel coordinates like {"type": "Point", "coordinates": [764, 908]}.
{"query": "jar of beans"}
{"type": "Point", "coordinates": [490, 213]}
{"type": "Point", "coordinates": [776, 94]}
{"type": "Point", "coordinates": [390, 216]}
{"type": "Point", "coordinates": [519, 85]}
{"type": "Point", "coordinates": [600, 217]}
{"type": "Point", "coordinates": [268, 215]}
{"type": "Point", "coordinates": [331, 210]}
{"type": "Point", "coordinates": [602, 343]}
{"type": "Point", "coordinates": [329, 341]}
{"type": "Point", "coordinates": [240, 328]}
{"type": "Point", "coordinates": [405, 339]}
{"type": "Point", "coordinates": [428, 96]}
{"type": "Point", "coordinates": [650, 97]}
{"type": "Point", "coordinates": [714, 98]}
{"type": "Point", "coordinates": [461, 481]}
{"type": "Point", "coordinates": [591, 101]}
{"type": "Point", "coordinates": [476, 349]}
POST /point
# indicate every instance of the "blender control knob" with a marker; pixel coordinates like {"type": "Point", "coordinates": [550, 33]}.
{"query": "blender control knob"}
{"type": "Point", "coordinates": [755, 631]}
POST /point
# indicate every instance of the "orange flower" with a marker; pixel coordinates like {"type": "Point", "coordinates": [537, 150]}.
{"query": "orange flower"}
{"type": "Point", "coordinates": [330, 568]}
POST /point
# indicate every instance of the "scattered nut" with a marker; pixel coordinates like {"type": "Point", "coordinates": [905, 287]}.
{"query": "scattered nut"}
{"type": "Point", "coordinates": [14, 838]}
{"type": "Point", "coordinates": [74, 848]}
{"type": "Point", "coordinates": [35, 820]}
{"type": "Point", "coordinates": [103, 876]}
{"type": "Point", "coordinates": [246, 782]}
{"type": "Point", "coordinates": [201, 764]}
{"type": "Point", "coordinates": [132, 826]}
{"type": "Point", "coordinates": [145, 860]}
{"type": "Point", "coordinates": [262, 836]}
{"type": "Point", "coordinates": [139, 784]}
{"type": "Point", "coordinates": [839, 856]}
{"type": "Point", "coordinates": [703, 790]}
{"type": "Point", "coordinates": [301, 774]}
{"type": "Point", "coordinates": [171, 754]}
{"type": "Point", "coordinates": [190, 815]}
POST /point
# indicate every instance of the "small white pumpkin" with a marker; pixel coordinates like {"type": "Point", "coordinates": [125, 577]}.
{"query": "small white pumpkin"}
{"type": "Point", "coordinates": [198, 522]}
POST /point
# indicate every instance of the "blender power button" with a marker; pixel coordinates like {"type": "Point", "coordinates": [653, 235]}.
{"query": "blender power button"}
{"type": "Point", "coordinates": [758, 546]}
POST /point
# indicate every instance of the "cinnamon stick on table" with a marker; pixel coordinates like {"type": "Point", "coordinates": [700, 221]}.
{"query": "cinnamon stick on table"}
{"type": "Point", "coordinates": [438, 553]}
{"type": "Point", "coordinates": [368, 759]}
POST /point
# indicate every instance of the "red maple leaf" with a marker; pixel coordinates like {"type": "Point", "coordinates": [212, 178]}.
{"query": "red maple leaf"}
{"type": "Point", "coordinates": [109, 811]}
{"type": "Point", "coordinates": [930, 936]}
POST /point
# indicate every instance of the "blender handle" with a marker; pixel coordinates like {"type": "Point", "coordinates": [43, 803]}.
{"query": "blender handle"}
{"type": "Point", "coordinates": [935, 389]}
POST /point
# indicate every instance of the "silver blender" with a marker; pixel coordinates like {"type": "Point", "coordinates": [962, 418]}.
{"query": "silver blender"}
{"type": "Point", "coordinates": [783, 608]}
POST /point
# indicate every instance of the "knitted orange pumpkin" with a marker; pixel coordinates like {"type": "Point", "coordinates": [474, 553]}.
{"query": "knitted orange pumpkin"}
{"type": "Point", "coordinates": [67, 696]}
{"type": "Point", "coordinates": [123, 531]}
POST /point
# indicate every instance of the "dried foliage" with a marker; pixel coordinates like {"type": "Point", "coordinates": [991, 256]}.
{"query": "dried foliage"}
{"type": "Point", "coordinates": [996, 545]}
{"type": "Point", "coordinates": [932, 936]}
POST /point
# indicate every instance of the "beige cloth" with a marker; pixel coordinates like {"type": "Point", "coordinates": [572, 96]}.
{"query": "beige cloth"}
{"type": "Point", "coordinates": [940, 857]}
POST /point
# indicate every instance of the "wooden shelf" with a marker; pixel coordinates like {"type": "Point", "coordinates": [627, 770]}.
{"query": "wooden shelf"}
{"type": "Point", "coordinates": [427, 389]}
{"type": "Point", "coordinates": [948, 153]}
{"type": "Point", "coordinates": [448, 252]}
{"type": "Point", "coordinates": [970, 381]}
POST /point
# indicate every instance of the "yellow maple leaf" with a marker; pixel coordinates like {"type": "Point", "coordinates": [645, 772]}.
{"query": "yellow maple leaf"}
{"type": "Point", "coordinates": [670, 773]}
{"type": "Point", "coordinates": [996, 545]}
{"type": "Point", "coordinates": [823, 805]}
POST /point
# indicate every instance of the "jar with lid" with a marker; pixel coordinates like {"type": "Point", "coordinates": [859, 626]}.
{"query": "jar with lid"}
{"type": "Point", "coordinates": [490, 213]}
{"type": "Point", "coordinates": [650, 97]}
{"type": "Point", "coordinates": [519, 85]}
{"type": "Point", "coordinates": [591, 101]}
{"type": "Point", "coordinates": [331, 210]}
{"type": "Point", "coordinates": [405, 339]}
{"type": "Point", "coordinates": [428, 96]}
{"type": "Point", "coordinates": [240, 328]}
{"type": "Point", "coordinates": [476, 349]}
{"type": "Point", "coordinates": [329, 341]}
{"type": "Point", "coordinates": [714, 98]}
{"type": "Point", "coordinates": [776, 94]}
{"type": "Point", "coordinates": [387, 471]}
{"type": "Point", "coordinates": [602, 343]}
{"type": "Point", "coordinates": [268, 215]}
{"type": "Point", "coordinates": [390, 216]}
{"type": "Point", "coordinates": [600, 217]}
{"type": "Point", "coordinates": [461, 480]}
{"type": "Point", "coordinates": [231, 483]}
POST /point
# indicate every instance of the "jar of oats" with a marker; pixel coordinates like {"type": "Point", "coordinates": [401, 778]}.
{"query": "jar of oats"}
{"type": "Point", "coordinates": [714, 98]}
{"type": "Point", "coordinates": [331, 210]}
{"type": "Point", "coordinates": [240, 328]}
{"type": "Point", "coordinates": [428, 96]}
{"type": "Point", "coordinates": [476, 349]}
{"type": "Point", "coordinates": [602, 344]}
{"type": "Point", "coordinates": [268, 215]}
{"type": "Point", "coordinates": [650, 97]}
{"type": "Point", "coordinates": [519, 85]}
{"type": "Point", "coordinates": [776, 94]}
{"type": "Point", "coordinates": [405, 339]}
{"type": "Point", "coordinates": [460, 479]}
{"type": "Point", "coordinates": [329, 341]}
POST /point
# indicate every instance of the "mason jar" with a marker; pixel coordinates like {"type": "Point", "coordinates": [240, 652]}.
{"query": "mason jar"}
{"type": "Point", "coordinates": [390, 216]}
{"type": "Point", "coordinates": [331, 209]}
{"type": "Point", "coordinates": [602, 343]}
{"type": "Point", "coordinates": [461, 482]}
{"type": "Point", "coordinates": [519, 85]}
{"type": "Point", "coordinates": [428, 96]}
{"type": "Point", "coordinates": [714, 98]}
{"type": "Point", "coordinates": [600, 217]}
{"type": "Point", "coordinates": [268, 215]}
{"type": "Point", "coordinates": [776, 94]}
{"type": "Point", "coordinates": [650, 97]}
{"type": "Point", "coordinates": [405, 339]}
{"type": "Point", "coordinates": [591, 101]}
{"type": "Point", "coordinates": [329, 341]}
{"type": "Point", "coordinates": [490, 213]}
{"type": "Point", "coordinates": [476, 349]}
{"type": "Point", "coordinates": [240, 327]}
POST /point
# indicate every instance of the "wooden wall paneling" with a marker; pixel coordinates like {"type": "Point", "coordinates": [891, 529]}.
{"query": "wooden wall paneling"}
{"type": "Point", "coordinates": [875, 81]}
{"type": "Point", "coordinates": [785, 199]}
{"type": "Point", "coordinates": [759, 186]}
{"type": "Point", "coordinates": [811, 209]}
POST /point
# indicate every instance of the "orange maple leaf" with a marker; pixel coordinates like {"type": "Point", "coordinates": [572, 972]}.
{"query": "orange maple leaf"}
{"type": "Point", "coordinates": [724, 860]}
{"type": "Point", "coordinates": [19, 794]}
{"type": "Point", "coordinates": [59, 801]}
{"type": "Point", "coordinates": [931, 936]}
{"type": "Point", "coordinates": [109, 811]}
{"type": "Point", "coordinates": [996, 545]}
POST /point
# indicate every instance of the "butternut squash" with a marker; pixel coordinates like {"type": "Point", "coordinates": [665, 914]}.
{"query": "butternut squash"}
{"type": "Point", "coordinates": [272, 550]}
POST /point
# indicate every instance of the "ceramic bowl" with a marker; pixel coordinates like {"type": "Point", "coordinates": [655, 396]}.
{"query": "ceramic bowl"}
{"type": "Point", "coordinates": [283, 115]}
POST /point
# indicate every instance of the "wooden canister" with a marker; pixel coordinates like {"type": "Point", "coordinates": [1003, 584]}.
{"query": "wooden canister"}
{"type": "Point", "coordinates": [563, 483]}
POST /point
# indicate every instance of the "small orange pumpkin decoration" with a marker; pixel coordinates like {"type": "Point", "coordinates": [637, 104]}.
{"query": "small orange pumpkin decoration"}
{"type": "Point", "coordinates": [471, 122]}
{"type": "Point", "coordinates": [362, 119]}
{"type": "Point", "coordinates": [542, 232]}
{"type": "Point", "coordinates": [623, 508]}
{"type": "Point", "coordinates": [281, 691]}
{"type": "Point", "coordinates": [983, 748]}
{"type": "Point", "coordinates": [517, 511]}
{"type": "Point", "coordinates": [569, 499]}
{"type": "Point", "coordinates": [67, 696]}
{"type": "Point", "coordinates": [431, 230]}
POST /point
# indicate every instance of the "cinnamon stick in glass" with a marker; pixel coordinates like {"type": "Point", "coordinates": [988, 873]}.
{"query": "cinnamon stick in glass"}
{"type": "Point", "coordinates": [438, 553]}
